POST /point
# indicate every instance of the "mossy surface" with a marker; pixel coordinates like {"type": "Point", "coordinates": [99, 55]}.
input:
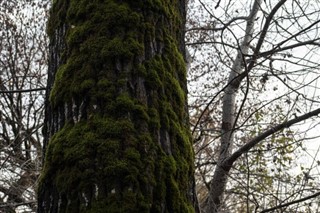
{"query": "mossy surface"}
{"type": "Point", "coordinates": [112, 160]}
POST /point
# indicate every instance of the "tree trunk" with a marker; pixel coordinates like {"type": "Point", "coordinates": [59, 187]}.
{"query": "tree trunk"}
{"type": "Point", "coordinates": [116, 130]}
{"type": "Point", "coordinates": [238, 71]}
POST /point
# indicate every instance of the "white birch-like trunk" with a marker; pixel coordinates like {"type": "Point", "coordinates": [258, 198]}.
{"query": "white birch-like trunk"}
{"type": "Point", "coordinates": [220, 177]}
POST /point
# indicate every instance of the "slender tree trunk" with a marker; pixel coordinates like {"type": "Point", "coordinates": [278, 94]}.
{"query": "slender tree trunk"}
{"type": "Point", "coordinates": [220, 176]}
{"type": "Point", "coordinates": [116, 130]}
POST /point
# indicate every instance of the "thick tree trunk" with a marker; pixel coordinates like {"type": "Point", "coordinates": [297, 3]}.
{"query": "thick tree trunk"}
{"type": "Point", "coordinates": [116, 130]}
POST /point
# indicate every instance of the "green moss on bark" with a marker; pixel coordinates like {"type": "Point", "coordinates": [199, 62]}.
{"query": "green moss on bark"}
{"type": "Point", "coordinates": [112, 160]}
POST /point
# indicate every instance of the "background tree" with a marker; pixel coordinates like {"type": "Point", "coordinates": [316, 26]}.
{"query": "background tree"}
{"type": "Point", "coordinates": [278, 174]}
{"type": "Point", "coordinates": [250, 59]}
{"type": "Point", "coordinates": [116, 114]}
{"type": "Point", "coordinates": [23, 54]}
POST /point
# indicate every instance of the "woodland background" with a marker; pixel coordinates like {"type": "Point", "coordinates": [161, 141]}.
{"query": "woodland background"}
{"type": "Point", "coordinates": [270, 47]}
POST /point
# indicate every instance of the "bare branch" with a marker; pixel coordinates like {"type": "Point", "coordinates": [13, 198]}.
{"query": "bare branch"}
{"type": "Point", "coordinates": [291, 203]}
{"type": "Point", "coordinates": [22, 91]}
{"type": "Point", "coordinates": [250, 144]}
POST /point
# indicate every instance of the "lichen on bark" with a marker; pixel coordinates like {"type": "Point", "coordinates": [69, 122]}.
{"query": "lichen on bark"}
{"type": "Point", "coordinates": [118, 92]}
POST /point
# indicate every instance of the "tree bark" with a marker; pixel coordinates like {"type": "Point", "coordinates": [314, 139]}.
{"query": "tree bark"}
{"type": "Point", "coordinates": [220, 177]}
{"type": "Point", "coordinates": [116, 130]}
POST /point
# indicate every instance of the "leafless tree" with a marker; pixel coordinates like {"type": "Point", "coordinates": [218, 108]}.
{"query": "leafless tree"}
{"type": "Point", "coordinates": [23, 63]}
{"type": "Point", "coordinates": [255, 70]}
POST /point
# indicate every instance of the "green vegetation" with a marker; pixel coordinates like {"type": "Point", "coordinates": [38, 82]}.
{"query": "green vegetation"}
{"type": "Point", "coordinates": [112, 160]}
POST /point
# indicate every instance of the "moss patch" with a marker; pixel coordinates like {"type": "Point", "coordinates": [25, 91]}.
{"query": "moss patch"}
{"type": "Point", "coordinates": [113, 160]}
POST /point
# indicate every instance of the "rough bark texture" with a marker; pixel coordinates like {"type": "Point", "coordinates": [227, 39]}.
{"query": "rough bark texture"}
{"type": "Point", "coordinates": [116, 131]}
